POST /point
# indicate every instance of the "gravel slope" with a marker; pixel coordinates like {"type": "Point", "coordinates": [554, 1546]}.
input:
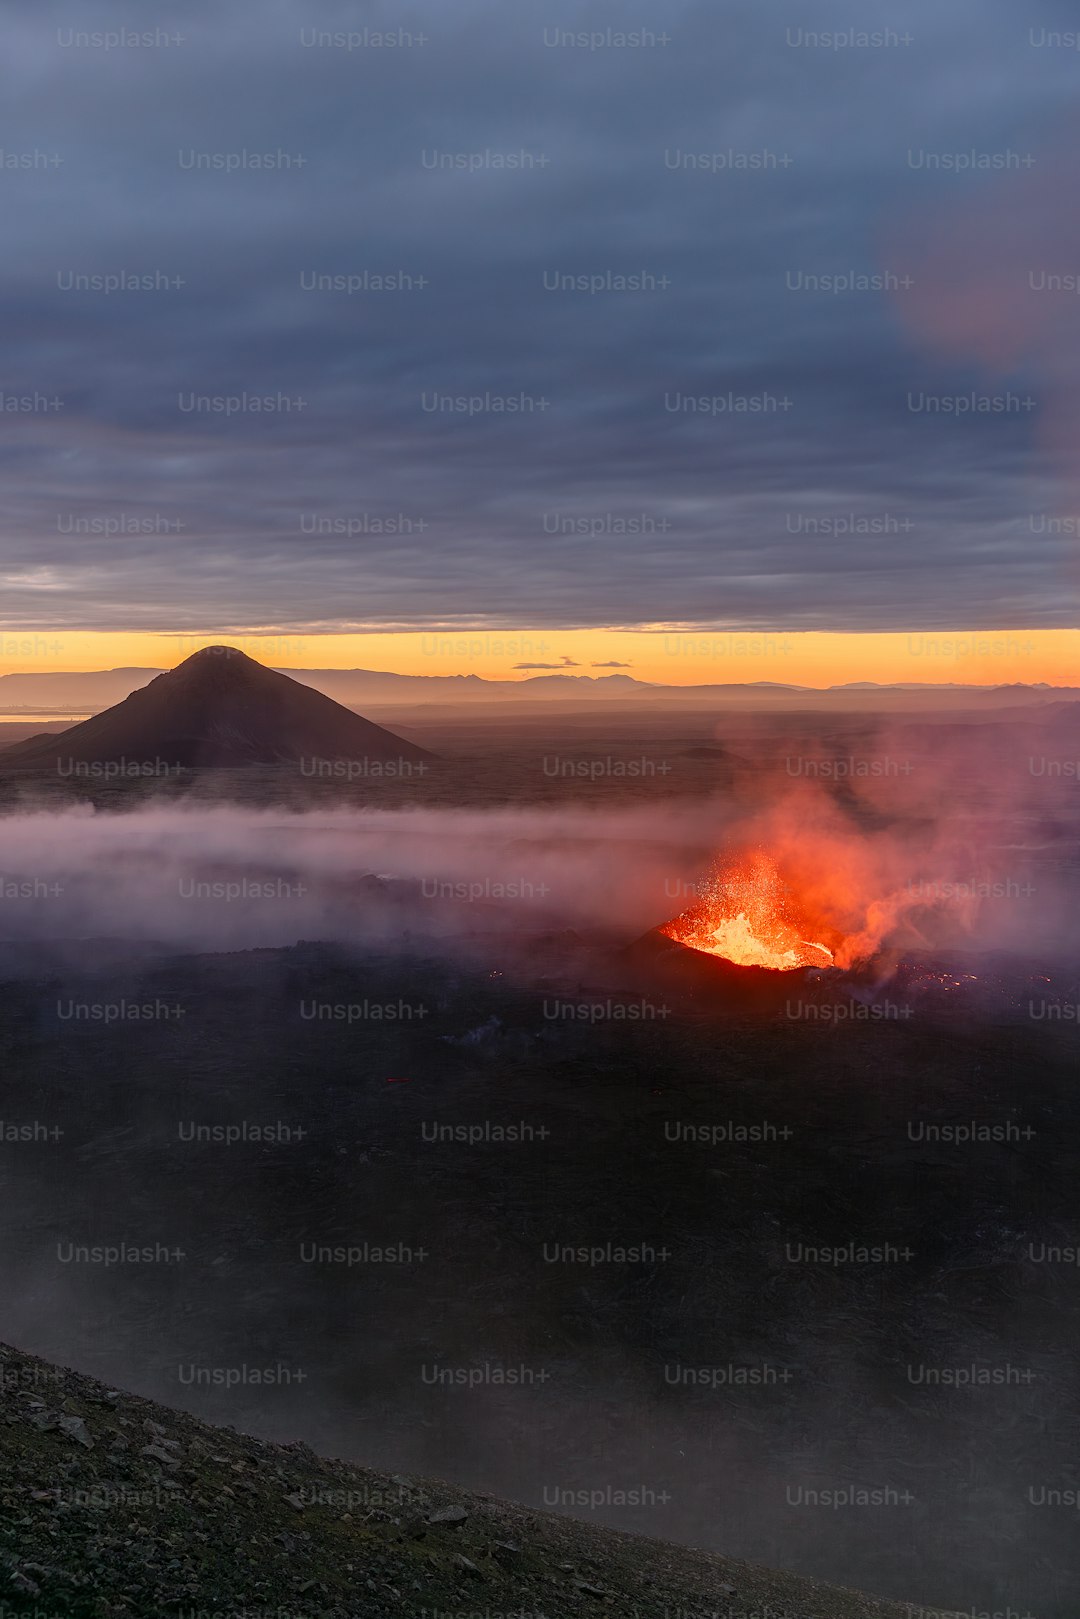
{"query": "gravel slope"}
{"type": "Point", "coordinates": [113, 1506]}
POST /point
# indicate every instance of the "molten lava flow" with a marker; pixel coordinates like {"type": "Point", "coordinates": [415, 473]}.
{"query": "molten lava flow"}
{"type": "Point", "coordinates": [744, 916]}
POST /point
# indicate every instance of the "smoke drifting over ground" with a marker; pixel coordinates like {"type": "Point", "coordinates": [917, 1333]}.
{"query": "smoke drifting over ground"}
{"type": "Point", "coordinates": [227, 878]}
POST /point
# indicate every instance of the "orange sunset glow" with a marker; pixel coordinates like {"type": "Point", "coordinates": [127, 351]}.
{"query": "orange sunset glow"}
{"type": "Point", "coordinates": [674, 656]}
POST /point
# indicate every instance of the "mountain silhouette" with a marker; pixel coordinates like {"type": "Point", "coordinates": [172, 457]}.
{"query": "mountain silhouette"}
{"type": "Point", "coordinates": [218, 708]}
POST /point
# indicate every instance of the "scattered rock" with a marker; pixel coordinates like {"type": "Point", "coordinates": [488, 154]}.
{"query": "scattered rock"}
{"type": "Point", "coordinates": [448, 1515]}
{"type": "Point", "coordinates": [75, 1428]}
{"type": "Point", "coordinates": [160, 1455]}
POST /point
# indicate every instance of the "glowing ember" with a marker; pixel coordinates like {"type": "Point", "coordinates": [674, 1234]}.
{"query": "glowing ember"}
{"type": "Point", "coordinates": [745, 916]}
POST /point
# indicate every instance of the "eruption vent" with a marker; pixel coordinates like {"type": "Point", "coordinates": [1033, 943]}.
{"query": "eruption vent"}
{"type": "Point", "coordinates": [746, 916]}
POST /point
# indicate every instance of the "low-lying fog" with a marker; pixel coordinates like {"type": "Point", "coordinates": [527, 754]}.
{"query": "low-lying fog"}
{"type": "Point", "coordinates": [229, 878]}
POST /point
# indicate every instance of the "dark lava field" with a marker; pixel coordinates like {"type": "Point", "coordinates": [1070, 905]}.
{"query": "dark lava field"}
{"type": "Point", "coordinates": [791, 1276]}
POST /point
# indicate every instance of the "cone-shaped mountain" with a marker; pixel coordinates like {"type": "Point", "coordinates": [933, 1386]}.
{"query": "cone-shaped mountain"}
{"type": "Point", "coordinates": [218, 708]}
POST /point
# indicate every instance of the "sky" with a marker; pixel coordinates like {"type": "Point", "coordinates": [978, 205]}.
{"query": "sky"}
{"type": "Point", "coordinates": [671, 657]}
{"type": "Point", "coordinates": [764, 321]}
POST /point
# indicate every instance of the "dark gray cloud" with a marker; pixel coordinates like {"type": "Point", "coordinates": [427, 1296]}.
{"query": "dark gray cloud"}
{"type": "Point", "coordinates": [439, 365]}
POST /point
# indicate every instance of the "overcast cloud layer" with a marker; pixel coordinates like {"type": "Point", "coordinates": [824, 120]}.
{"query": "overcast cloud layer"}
{"type": "Point", "coordinates": [962, 508]}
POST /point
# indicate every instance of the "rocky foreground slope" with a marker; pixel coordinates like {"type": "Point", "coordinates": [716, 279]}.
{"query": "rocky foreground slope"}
{"type": "Point", "coordinates": [113, 1507]}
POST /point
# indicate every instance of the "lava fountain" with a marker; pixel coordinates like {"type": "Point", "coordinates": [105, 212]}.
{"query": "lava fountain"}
{"type": "Point", "coordinates": [746, 915]}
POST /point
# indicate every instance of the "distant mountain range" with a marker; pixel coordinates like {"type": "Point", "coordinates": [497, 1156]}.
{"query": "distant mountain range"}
{"type": "Point", "coordinates": [62, 693]}
{"type": "Point", "coordinates": [217, 708]}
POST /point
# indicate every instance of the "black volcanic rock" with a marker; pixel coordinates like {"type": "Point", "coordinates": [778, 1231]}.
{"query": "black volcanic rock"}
{"type": "Point", "coordinates": [659, 964]}
{"type": "Point", "coordinates": [218, 708]}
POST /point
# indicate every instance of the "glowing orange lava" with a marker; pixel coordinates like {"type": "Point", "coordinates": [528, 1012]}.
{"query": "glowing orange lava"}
{"type": "Point", "coordinates": [746, 916]}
